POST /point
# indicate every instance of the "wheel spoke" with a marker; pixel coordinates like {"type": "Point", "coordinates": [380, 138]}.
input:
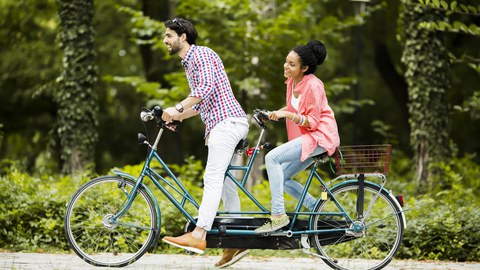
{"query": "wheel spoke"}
{"type": "Point", "coordinates": [97, 239]}
{"type": "Point", "coordinates": [369, 243]}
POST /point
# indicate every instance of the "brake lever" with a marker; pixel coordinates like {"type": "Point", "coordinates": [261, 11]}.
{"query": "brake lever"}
{"type": "Point", "coordinates": [262, 114]}
{"type": "Point", "coordinates": [173, 125]}
{"type": "Point", "coordinates": [146, 115]}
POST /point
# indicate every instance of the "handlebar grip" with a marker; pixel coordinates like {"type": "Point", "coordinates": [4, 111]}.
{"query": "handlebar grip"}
{"type": "Point", "coordinates": [267, 146]}
{"type": "Point", "coordinates": [158, 111]}
{"type": "Point", "coordinates": [157, 114]}
{"type": "Point", "coordinates": [261, 117]}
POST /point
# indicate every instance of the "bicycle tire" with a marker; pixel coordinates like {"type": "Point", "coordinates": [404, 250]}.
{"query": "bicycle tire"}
{"type": "Point", "coordinates": [372, 248]}
{"type": "Point", "coordinates": [100, 242]}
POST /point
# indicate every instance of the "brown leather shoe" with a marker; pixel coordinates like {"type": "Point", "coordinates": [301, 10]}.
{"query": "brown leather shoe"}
{"type": "Point", "coordinates": [188, 242]}
{"type": "Point", "coordinates": [231, 256]}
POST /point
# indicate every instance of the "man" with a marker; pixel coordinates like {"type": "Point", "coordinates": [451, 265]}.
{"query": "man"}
{"type": "Point", "coordinates": [210, 96]}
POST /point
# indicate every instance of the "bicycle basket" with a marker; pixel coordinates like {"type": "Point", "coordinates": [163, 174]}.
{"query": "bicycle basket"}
{"type": "Point", "coordinates": [361, 159]}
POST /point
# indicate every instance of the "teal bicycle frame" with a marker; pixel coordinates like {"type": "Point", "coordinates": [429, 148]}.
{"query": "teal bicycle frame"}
{"type": "Point", "coordinates": [158, 179]}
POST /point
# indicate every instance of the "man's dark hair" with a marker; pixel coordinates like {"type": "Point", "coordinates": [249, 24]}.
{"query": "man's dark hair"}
{"type": "Point", "coordinates": [181, 26]}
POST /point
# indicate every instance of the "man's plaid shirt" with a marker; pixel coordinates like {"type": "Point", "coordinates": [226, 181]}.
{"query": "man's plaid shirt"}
{"type": "Point", "coordinates": [208, 81]}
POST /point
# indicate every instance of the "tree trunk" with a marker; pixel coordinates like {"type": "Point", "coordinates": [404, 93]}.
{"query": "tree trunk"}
{"type": "Point", "coordinates": [76, 99]}
{"type": "Point", "coordinates": [427, 75]}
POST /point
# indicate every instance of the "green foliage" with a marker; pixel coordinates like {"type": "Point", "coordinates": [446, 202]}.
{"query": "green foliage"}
{"type": "Point", "coordinates": [33, 207]}
{"type": "Point", "coordinates": [456, 27]}
{"type": "Point", "coordinates": [452, 7]}
{"type": "Point", "coordinates": [441, 228]}
{"type": "Point", "coordinates": [385, 131]}
{"type": "Point", "coordinates": [28, 30]}
{"type": "Point", "coordinates": [149, 89]}
{"type": "Point", "coordinates": [427, 76]}
{"type": "Point", "coordinates": [145, 29]}
{"type": "Point", "coordinates": [250, 50]}
{"type": "Point", "coordinates": [191, 172]}
{"type": "Point", "coordinates": [191, 176]}
{"type": "Point", "coordinates": [442, 225]}
{"type": "Point", "coordinates": [76, 99]}
{"type": "Point", "coordinates": [458, 176]}
{"type": "Point", "coordinates": [32, 210]}
{"type": "Point", "coordinates": [252, 69]}
{"type": "Point", "coordinates": [1, 134]}
{"type": "Point", "coordinates": [253, 52]}
{"type": "Point", "coordinates": [471, 105]}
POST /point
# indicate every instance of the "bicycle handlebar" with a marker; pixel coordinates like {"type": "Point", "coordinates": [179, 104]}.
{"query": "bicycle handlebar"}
{"type": "Point", "coordinates": [261, 116]}
{"type": "Point", "coordinates": [156, 114]}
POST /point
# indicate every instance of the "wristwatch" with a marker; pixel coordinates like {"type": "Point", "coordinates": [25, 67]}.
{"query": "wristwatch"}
{"type": "Point", "coordinates": [179, 107]}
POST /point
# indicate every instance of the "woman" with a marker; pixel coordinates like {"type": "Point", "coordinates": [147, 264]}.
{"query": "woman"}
{"type": "Point", "coordinates": [311, 128]}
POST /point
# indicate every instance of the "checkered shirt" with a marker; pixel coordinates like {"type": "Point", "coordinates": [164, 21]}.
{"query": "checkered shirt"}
{"type": "Point", "coordinates": [208, 81]}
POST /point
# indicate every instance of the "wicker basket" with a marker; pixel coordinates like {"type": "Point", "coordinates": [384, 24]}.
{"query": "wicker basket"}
{"type": "Point", "coordinates": [361, 159]}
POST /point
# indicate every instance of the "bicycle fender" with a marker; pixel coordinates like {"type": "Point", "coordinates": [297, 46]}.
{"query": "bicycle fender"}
{"type": "Point", "coordinates": [401, 209]}
{"type": "Point", "coordinates": [157, 206]}
{"type": "Point", "coordinates": [402, 213]}
{"type": "Point", "coordinates": [354, 181]}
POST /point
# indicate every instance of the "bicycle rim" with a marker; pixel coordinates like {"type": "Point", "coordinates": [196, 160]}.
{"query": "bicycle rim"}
{"type": "Point", "coordinates": [94, 237]}
{"type": "Point", "coordinates": [370, 248]}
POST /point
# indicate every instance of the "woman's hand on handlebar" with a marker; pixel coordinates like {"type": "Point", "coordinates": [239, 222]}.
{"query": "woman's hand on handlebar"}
{"type": "Point", "coordinates": [277, 115]}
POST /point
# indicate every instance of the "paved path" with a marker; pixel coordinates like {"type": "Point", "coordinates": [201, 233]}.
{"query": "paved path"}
{"type": "Point", "coordinates": [39, 261]}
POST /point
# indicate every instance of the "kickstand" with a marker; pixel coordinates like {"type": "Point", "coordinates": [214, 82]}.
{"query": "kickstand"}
{"type": "Point", "coordinates": [305, 244]}
{"type": "Point", "coordinates": [306, 249]}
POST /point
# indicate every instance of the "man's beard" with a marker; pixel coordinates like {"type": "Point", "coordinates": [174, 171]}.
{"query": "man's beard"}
{"type": "Point", "coordinates": [174, 49]}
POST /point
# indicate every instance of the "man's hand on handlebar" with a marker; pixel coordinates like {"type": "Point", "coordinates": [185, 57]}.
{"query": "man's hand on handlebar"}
{"type": "Point", "coordinates": [172, 118]}
{"type": "Point", "coordinates": [170, 114]}
{"type": "Point", "coordinates": [159, 114]}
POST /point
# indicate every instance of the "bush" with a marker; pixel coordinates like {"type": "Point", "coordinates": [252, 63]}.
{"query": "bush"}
{"type": "Point", "coordinates": [31, 213]}
{"type": "Point", "coordinates": [443, 225]}
{"type": "Point", "coordinates": [440, 230]}
{"type": "Point", "coordinates": [33, 207]}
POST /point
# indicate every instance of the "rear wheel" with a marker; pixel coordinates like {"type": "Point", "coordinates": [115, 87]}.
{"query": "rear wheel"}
{"type": "Point", "coordinates": [101, 241]}
{"type": "Point", "coordinates": [368, 244]}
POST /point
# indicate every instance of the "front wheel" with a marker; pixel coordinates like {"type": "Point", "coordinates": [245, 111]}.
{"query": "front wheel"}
{"type": "Point", "coordinates": [368, 244]}
{"type": "Point", "coordinates": [98, 239]}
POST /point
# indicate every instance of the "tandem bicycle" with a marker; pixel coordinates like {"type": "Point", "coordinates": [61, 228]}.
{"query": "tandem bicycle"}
{"type": "Point", "coordinates": [112, 221]}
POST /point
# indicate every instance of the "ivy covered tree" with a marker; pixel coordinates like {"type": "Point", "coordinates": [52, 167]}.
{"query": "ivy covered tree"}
{"type": "Point", "coordinates": [459, 21]}
{"type": "Point", "coordinates": [427, 75]}
{"type": "Point", "coordinates": [76, 99]}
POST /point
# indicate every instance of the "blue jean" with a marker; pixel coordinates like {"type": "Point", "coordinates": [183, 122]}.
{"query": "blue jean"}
{"type": "Point", "coordinates": [283, 162]}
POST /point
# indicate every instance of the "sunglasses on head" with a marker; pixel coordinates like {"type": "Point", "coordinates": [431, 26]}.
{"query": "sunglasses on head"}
{"type": "Point", "coordinates": [177, 22]}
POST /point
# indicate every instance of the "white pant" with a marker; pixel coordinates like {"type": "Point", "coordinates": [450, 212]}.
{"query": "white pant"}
{"type": "Point", "coordinates": [222, 140]}
{"type": "Point", "coordinates": [231, 201]}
